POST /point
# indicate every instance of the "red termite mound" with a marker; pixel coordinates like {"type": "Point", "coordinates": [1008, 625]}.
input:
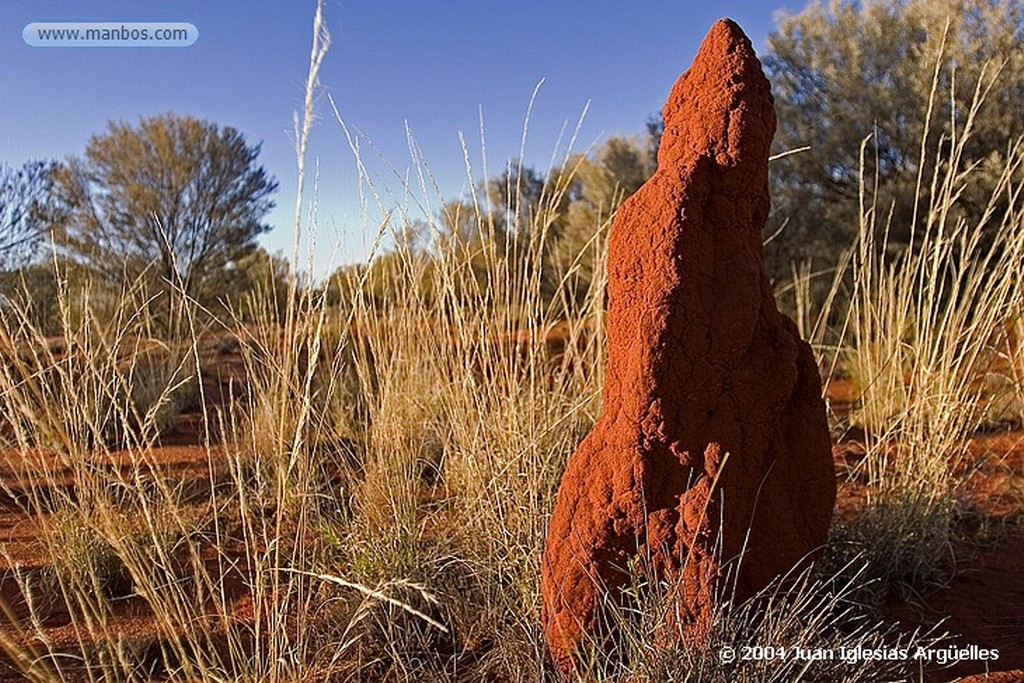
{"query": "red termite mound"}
{"type": "Point", "coordinates": [710, 467]}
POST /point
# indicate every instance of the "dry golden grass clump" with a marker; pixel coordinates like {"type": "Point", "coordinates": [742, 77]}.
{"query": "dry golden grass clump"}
{"type": "Point", "coordinates": [928, 339]}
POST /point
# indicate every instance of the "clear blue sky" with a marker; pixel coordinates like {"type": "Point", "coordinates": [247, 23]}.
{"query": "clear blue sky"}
{"type": "Point", "coordinates": [433, 65]}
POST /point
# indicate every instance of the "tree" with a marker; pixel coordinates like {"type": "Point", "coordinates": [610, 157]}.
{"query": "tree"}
{"type": "Point", "coordinates": [256, 282]}
{"type": "Point", "coordinates": [521, 224]}
{"type": "Point", "coordinates": [561, 215]}
{"type": "Point", "coordinates": [24, 205]}
{"type": "Point", "coordinates": [173, 200]}
{"type": "Point", "coordinates": [516, 196]}
{"type": "Point", "coordinates": [843, 71]}
{"type": "Point", "coordinates": [600, 182]}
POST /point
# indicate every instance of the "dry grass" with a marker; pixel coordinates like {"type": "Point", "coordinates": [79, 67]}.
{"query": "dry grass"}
{"type": "Point", "coordinates": [923, 334]}
{"type": "Point", "coordinates": [802, 627]}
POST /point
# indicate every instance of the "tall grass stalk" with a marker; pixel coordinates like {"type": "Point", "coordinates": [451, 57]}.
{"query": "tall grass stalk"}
{"type": "Point", "coordinates": [924, 327]}
{"type": "Point", "coordinates": [213, 566]}
{"type": "Point", "coordinates": [476, 385]}
{"type": "Point", "coordinates": [783, 633]}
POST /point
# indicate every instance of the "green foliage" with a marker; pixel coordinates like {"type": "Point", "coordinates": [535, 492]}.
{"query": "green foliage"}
{"type": "Point", "coordinates": [602, 181]}
{"type": "Point", "coordinates": [33, 289]}
{"type": "Point", "coordinates": [174, 199]}
{"type": "Point", "coordinates": [24, 203]}
{"type": "Point", "coordinates": [888, 69]}
{"type": "Point", "coordinates": [257, 273]}
{"type": "Point", "coordinates": [54, 293]}
{"type": "Point", "coordinates": [552, 223]}
{"type": "Point", "coordinates": [382, 280]}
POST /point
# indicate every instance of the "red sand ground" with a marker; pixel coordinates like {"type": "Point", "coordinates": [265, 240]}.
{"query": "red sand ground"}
{"type": "Point", "coordinates": [983, 604]}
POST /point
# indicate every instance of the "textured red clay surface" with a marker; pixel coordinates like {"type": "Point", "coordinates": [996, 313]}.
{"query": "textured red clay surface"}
{"type": "Point", "coordinates": [713, 438]}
